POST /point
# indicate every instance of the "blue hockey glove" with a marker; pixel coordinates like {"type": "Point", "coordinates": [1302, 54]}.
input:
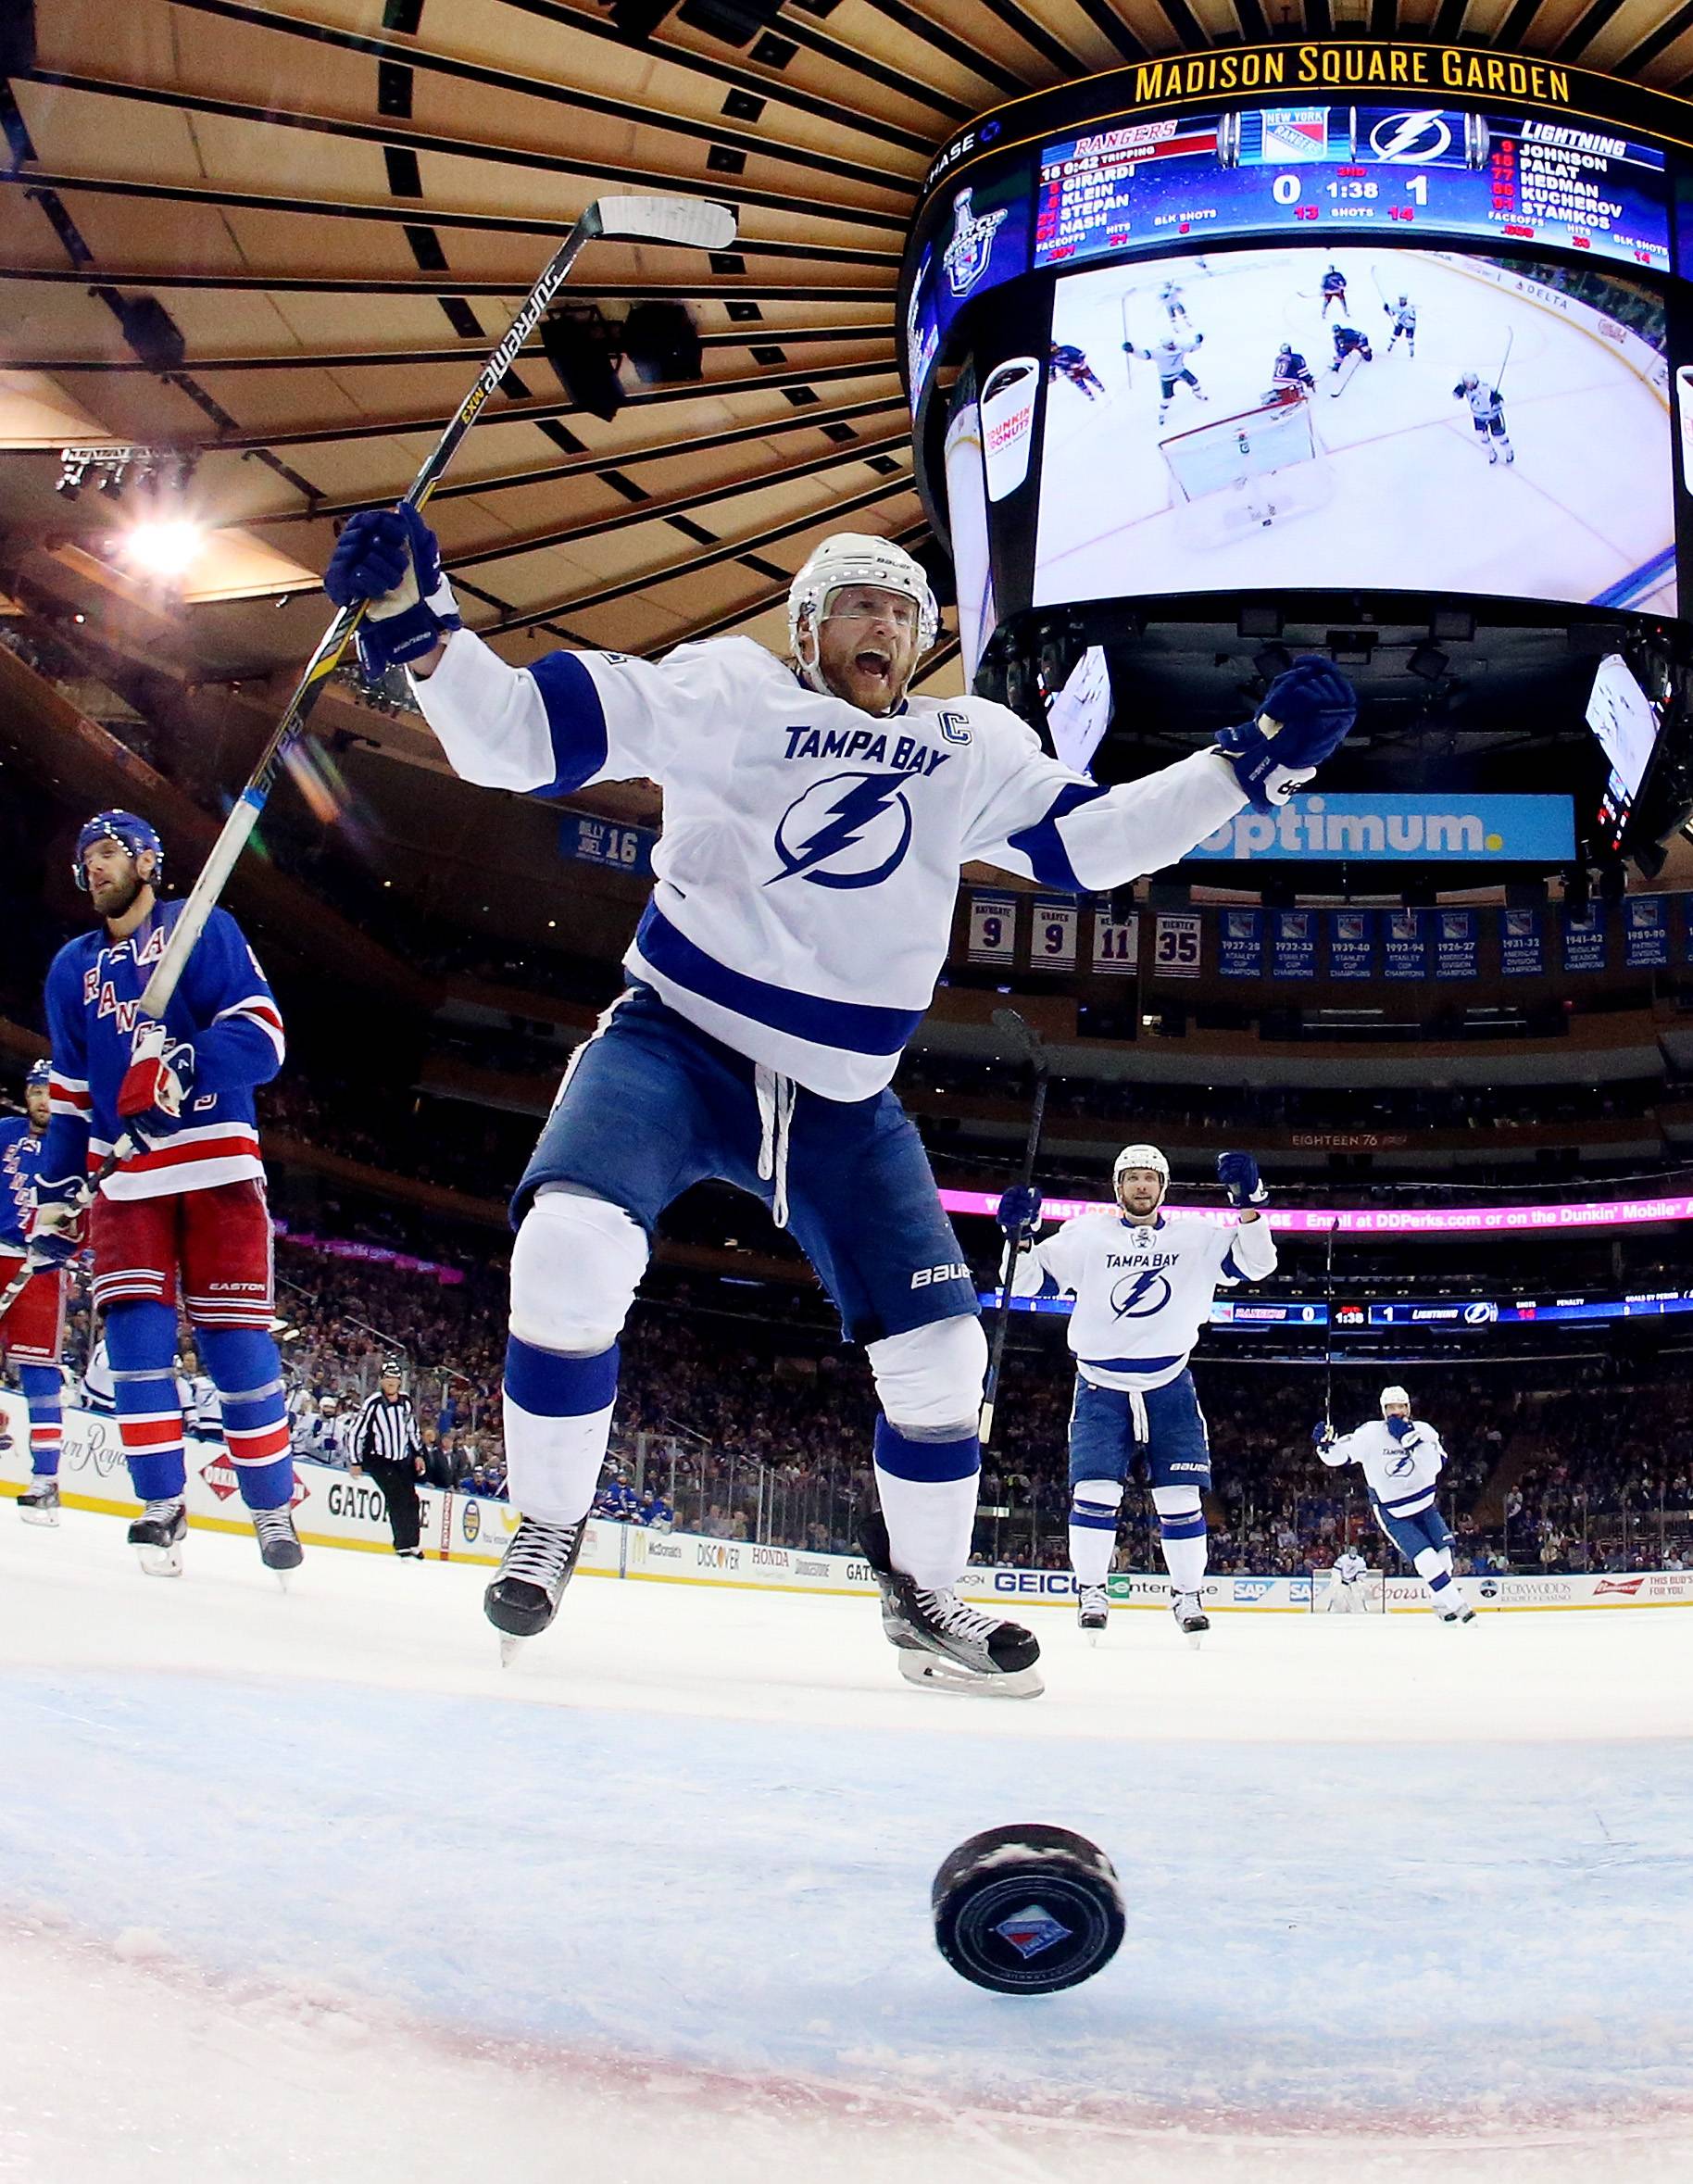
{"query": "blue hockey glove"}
{"type": "Point", "coordinates": [1020, 1212]}
{"type": "Point", "coordinates": [1238, 1174]}
{"type": "Point", "coordinates": [391, 559]}
{"type": "Point", "coordinates": [1305, 717]}
{"type": "Point", "coordinates": [58, 1229]}
{"type": "Point", "coordinates": [1400, 1428]}
{"type": "Point", "coordinates": [156, 1086]}
{"type": "Point", "coordinates": [1323, 1434]}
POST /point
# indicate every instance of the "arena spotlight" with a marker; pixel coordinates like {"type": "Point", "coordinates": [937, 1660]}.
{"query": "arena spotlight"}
{"type": "Point", "coordinates": [167, 548]}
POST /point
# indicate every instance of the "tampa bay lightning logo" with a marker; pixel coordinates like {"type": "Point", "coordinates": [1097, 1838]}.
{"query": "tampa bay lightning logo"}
{"type": "Point", "coordinates": [1402, 1466]}
{"type": "Point", "coordinates": [850, 830]}
{"type": "Point", "coordinates": [1138, 1297]}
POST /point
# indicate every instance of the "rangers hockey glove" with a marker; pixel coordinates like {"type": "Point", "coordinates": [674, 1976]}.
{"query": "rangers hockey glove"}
{"type": "Point", "coordinates": [157, 1084]}
{"type": "Point", "coordinates": [59, 1230]}
{"type": "Point", "coordinates": [1306, 715]}
{"type": "Point", "coordinates": [390, 558]}
{"type": "Point", "coordinates": [1019, 1212]}
{"type": "Point", "coordinates": [1238, 1174]}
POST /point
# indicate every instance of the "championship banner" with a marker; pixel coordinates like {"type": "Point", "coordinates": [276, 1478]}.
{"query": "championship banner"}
{"type": "Point", "coordinates": [1352, 944]}
{"type": "Point", "coordinates": [1522, 943]}
{"type": "Point", "coordinates": [1406, 951]}
{"type": "Point", "coordinates": [1293, 947]}
{"type": "Point", "coordinates": [1645, 933]}
{"type": "Point", "coordinates": [1455, 944]}
{"type": "Point", "coordinates": [1584, 939]}
{"type": "Point", "coordinates": [1052, 943]}
{"type": "Point", "coordinates": [993, 929]}
{"type": "Point", "coordinates": [1176, 945]}
{"type": "Point", "coordinates": [1240, 944]}
{"type": "Point", "coordinates": [604, 841]}
{"type": "Point", "coordinates": [1116, 944]}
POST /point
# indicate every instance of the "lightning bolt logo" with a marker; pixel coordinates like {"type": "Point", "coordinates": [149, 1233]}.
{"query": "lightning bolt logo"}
{"type": "Point", "coordinates": [1411, 139]}
{"type": "Point", "coordinates": [838, 814]}
{"type": "Point", "coordinates": [1139, 1296]}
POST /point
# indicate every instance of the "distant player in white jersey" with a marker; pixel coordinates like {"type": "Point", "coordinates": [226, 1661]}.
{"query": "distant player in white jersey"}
{"type": "Point", "coordinates": [1169, 359]}
{"type": "Point", "coordinates": [1402, 1458]}
{"type": "Point", "coordinates": [1176, 310]}
{"type": "Point", "coordinates": [1143, 1281]}
{"type": "Point", "coordinates": [1488, 415]}
{"type": "Point", "coordinates": [816, 816]}
{"type": "Point", "coordinates": [1404, 317]}
{"type": "Point", "coordinates": [1347, 1593]}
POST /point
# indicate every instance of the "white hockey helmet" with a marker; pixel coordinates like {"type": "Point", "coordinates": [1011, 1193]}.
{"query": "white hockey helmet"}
{"type": "Point", "coordinates": [1469, 379]}
{"type": "Point", "coordinates": [1394, 1400]}
{"type": "Point", "coordinates": [854, 556]}
{"type": "Point", "coordinates": [1140, 1156]}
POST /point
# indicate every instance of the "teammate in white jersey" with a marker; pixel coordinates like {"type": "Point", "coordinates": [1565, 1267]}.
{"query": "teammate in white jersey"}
{"type": "Point", "coordinates": [1169, 359]}
{"type": "Point", "coordinates": [815, 818]}
{"type": "Point", "coordinates": [1346, 1594]}
{"type": "Point", "coordinates": [1486, 407]}
{"type": "Point", "coordinates": [1404, 317]}
{"type": "Point", "coordinates": [1402, 1458]}
{"type": "Point", "coordinates": [1143, 1282]}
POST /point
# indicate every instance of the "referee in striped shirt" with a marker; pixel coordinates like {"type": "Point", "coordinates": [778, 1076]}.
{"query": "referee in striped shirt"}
{"type": "Point", "coordinates": [386, 1444]}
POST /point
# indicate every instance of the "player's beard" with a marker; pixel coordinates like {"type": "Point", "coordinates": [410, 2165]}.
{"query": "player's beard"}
{"type": "Point", "coordinates": [116, 898]}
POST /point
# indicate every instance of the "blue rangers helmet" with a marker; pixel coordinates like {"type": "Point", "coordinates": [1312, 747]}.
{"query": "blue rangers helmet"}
{"type": "Point", "coordinates": [129, 830]}
{"type": "Point", "coordinates": [39, 1073]}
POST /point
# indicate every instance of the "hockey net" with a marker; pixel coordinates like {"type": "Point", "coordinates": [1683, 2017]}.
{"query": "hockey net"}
{"type": "Point", "coordinates": [1252, 471]}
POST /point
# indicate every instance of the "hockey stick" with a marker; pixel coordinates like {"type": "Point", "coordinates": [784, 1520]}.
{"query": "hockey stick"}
{"type": "Point", "coordinates": [1499, 377]}
{"type": "Point", "coordinates": [1034, 1050]}
{"type": "Point", "coordinates": [1329, 1332]}
{"type": "Point", "coordinates": [698, 224]}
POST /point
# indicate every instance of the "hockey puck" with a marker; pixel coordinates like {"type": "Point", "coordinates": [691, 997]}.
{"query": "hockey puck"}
{"type": "Point", "coordinates": [1027, 1909]}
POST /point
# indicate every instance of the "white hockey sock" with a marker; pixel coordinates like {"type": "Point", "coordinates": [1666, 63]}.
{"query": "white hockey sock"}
{"type": "Point", "coordinates": [928, 1493]}
{"type": "Point", "coordinates": [1181, 1522]}
{"type": "Point", "coordinates": [553, 1456]}
{"type": "Point", "coordinates": [1094, 1506]}
{"type": "Point", "coordinates": [1433, 1565]}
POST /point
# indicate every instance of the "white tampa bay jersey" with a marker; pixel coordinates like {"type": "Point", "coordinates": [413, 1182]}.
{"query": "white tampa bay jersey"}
{"type": "Point", "coordinates": [1143, 1292]}
{"type": "Point", "coordinates": [1401, 1474]}
{"type": "Point", "coordinates": [808, 865]}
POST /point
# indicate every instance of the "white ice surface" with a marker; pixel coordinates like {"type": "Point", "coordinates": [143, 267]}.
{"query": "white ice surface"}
{"type": "Point", "coordinates": [305, 1886]}
{"type": "Point", "coordinates": [1415, 505]}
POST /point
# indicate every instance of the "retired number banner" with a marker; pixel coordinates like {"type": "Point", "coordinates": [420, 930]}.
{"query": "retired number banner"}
{"type": "Point", "coordinates": [993, 928]}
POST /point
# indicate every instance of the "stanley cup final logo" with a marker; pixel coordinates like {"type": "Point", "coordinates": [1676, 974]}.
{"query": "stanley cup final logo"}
{"type": "Point", "coordinates": [965, 258]}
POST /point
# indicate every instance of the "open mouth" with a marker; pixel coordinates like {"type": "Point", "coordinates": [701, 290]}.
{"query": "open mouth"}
{"type": "Point", "coordinates": [870, 661]}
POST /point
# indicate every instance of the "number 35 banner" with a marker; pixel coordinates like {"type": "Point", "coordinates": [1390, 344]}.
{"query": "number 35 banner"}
{"type": "Point", "coordinates": [1052, 943]}
{"type": "Point", "coordinates": [993, 928]}
{"type": "Point", "coordinates": [1175, 945]}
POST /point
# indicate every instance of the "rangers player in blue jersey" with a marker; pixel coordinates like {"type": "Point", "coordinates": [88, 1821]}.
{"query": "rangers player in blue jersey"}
{"type": "Point", "coordinates": [1401, 1457]}
{"type": "Point", "coordinates": [33, 1328]}
{"type": "Point", "coordinates": [815, 818]}
{"type": "Point", "coordinates": [1349, 342]}
{"type": "Point", "coordinates": [1143, 1281]}
{"type": "Point", "coordinates": [152, 1148]}
{"type": "Point", "coordinates": [1333, 289]}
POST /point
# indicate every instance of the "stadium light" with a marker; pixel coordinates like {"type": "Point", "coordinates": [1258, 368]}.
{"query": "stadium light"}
{"type": "Point", "coordinates": [165, 548]}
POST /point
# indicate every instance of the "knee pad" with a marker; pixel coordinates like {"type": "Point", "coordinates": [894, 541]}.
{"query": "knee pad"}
{"type": "Point", "coordinates": [1177, 1501]}
{"type": "Point", "coordinates": [574, 1271]}
{"type": "Point", "coordinates": [140, 1337]}
{"type": "Point", "coordinates": [245, 1363]}
{"type": "Point", "coordinates": [929, 1382]}
{"type": "Point", "coordinates": [1096, 1493]}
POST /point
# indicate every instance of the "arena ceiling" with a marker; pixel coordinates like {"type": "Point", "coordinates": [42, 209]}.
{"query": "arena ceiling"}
{"type": "Point", "coordinates": [339, 205]}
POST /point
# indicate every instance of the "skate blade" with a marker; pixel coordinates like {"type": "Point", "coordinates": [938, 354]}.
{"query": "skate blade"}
{"type": "Point", "coordinates": [161, 1562]}
{"type": "Point", "coordinates": [933, 1672]}
{"type": "Point", "coordinates": [509, 1649]}
{"type": "Point", "coordinates": [46, 1518]}
{"type": "Point", "coordinates": [1196, 1638]}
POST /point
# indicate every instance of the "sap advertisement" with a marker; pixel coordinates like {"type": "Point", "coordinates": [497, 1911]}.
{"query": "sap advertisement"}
{"type": "Point", "coordinates": [1407, 830]}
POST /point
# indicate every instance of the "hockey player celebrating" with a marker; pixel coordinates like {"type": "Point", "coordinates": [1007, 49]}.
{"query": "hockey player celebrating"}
{"type": "Point", "coordinates": [1334, 290]}
{"type": "Point", "coordinates": [1488, 415]}
{"type": "Point", "coordinates": [1349, 342]}
{"type": "Point", "coordinates": [1143, 1283]}
{"type": "Point", "coordinates": [33, 1328]}
{"type": "Point", "coordinates": [816, 817]}
{"type": "Point", "coordinates": [1065, 361]}
{"type": "Point", "coordinates": [1402, 1458]}
{"type": "Point", "coordinates": [160, 1117]}
{"type": "Point", "coordinates": [1169, 359]}
{"type": "Point", "coordinates": [1291, 370]}
{"type": "Point", "coordinates": [1404, 317]}
{"type": "Point", "coordinates": [1170, 296]}
{"type": "Point", "coordinates": [1346, 1588]}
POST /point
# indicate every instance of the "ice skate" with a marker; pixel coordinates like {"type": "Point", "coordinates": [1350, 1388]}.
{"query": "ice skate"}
{"type": "Point", "coordinates": [536, 1566]}
{"type": "Point", "coordinates": [941, 1644]}
{"type": "Point", "coordinates": [1190, 1617]}
{"type": "Point", "coordinates": [1455, 1611]}
{"type": "Point", "coordinates": [278, 1543]}
{"type": "Point", "coordinates": [38, 1505]}
{"type": "Point", "coordinates": [158, 1533]}
{"type": "Point", "coordinates": [1093, 1611]}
